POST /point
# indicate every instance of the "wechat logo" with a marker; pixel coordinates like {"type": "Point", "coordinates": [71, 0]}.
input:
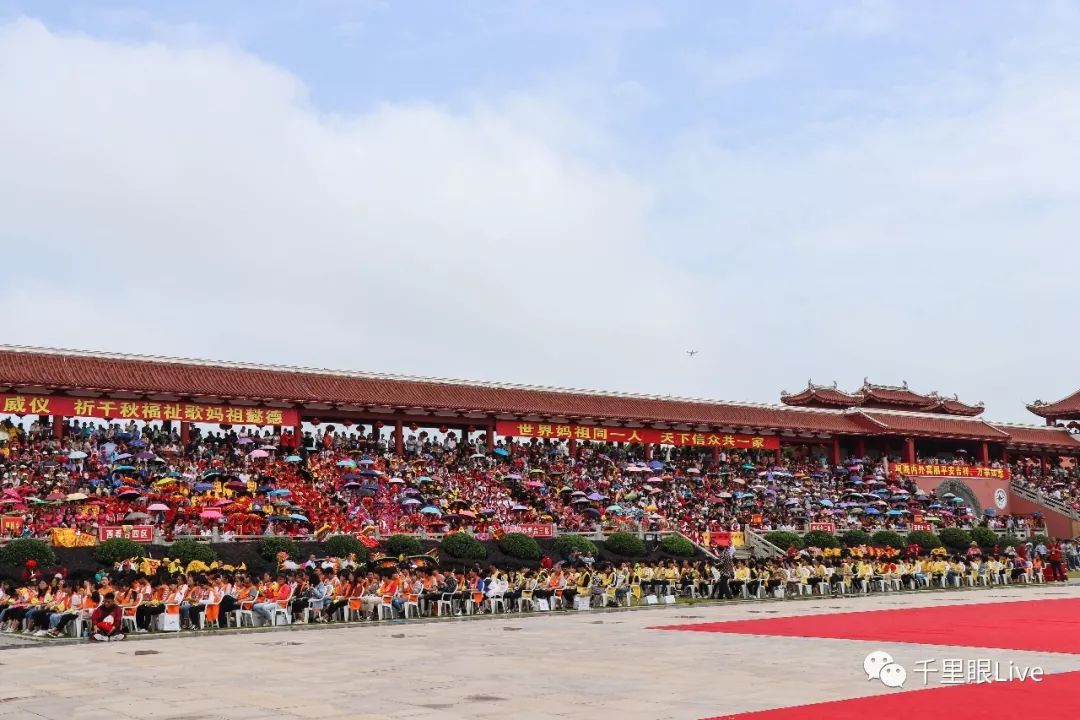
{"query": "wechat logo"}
{"type": "Point", "coordinates": [880, 665]}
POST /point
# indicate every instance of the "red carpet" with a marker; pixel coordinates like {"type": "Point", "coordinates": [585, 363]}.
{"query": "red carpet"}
{"type": "Point", "coordinates": [1057, 696]}
{"type": "Point", "coordinates": [1038, 625]}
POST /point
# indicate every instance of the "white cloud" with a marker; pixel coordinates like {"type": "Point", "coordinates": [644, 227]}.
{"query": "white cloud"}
{"type": "Point", "coordinates": [738, 68]}
{"type": "Point", "coordinates": [864, 17]}
{"type": "Point", "coordinates": [190, 201]}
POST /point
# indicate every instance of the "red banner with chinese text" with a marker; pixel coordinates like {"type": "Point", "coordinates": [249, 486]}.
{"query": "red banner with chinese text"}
{"type": "Point", "coordinates": [144, 410]}
{"type": "Point", "coordinates": [927, 527]}
{"type": "Point", "coordinates": [826, 526]}
{"type": "Point", "coordinates": [138, 533]}
{"type": "Point", "coordinates": [535, 530]}
{"type": "Point", "coordinates": [603, 433]}
{"type": "Point", "coordinates": [727, 539]}
{"type": "Point", "coordinates": [10, 524]}
{"type": "Point", "coordinates": [958, 471]}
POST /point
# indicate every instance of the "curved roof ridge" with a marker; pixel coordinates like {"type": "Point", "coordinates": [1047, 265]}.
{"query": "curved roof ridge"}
{"type": "Point", "coordinates": [360, 374]}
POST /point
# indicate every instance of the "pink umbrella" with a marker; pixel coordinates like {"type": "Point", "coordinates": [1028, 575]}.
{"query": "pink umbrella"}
{"type": "Point", "coordinates": [210, 514]}
{"type": "Point", "coordinates": [158, 507]}
{"type": "Point", "coordinates": [258, 454]}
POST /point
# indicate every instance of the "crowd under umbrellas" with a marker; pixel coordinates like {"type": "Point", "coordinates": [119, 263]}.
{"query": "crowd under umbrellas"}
{"type": "Point", "coordinates": [246, 487]}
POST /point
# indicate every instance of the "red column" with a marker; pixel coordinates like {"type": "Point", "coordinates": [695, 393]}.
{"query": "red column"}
{"type": "Point", "coordinates": [777, 455]}
{"type": "Point", "coordinates": [572, 445]}
{"type": "Point", "coordinates": [1005, 456]}
{"type": "Point", "coordinates": [834, 451]}
{"type": "Point", "coordinates": [648, 450]}
{"type": "Point", "coordinates": [399, 438]}
{"type": "Point", "coordinates": [860, 447]}
{"type": "Point", "coordinates": [58, 426]}
{"type": "Point", "coordinates": [984, 452]}
{"type": "Point", "coordinates": [185, 433]}
{"type": "Point", "coordinates": [716, 454]}
{"type": "Point", "coordinates": [909, 450]}
{"type": "Point", "coordinates": [1043, 463]}
{"type": "Point", "coordinates": [491, 436]}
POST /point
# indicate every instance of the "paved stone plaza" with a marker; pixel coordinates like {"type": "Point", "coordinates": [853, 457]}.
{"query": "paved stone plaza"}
{"type": "Point", "coordinates": [581, 665]}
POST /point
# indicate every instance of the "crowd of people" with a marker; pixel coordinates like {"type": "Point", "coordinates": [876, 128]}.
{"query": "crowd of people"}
{"type": "Point", "coordinates": [257, 482]}
{"type": "Point", "coordinates": [136, 600]}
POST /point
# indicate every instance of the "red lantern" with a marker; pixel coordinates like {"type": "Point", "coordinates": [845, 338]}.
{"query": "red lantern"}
{"type": "Point", "coordinates": [346, 423]}
{"type": "Point", "coordinates": [225, 426]}
{"type": "Point", "coordinates": [443, 429]}
{"type": "Point", "coordinates": [315, 421]}
{"type": "Point", "coordinates": [413, 426]}
{"type": "Point", "coordinates": [379, 424]}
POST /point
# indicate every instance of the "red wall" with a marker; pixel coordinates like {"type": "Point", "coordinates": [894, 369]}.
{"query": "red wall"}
{"type": "Point", "coordinates": [1057, 525]}
{"type": "Point", "coordinates": [984, 489]}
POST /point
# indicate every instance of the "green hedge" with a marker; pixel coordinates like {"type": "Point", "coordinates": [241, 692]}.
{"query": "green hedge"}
{"type": "Point", "coordinates": [955, 539]}
{"type": "Point", "coordinates": [625, 544]}
{"type": "Point", "coordinates": [854, 538]}
{"type": "Point", "coordinates": [269, 548]}
{"type": "Point", "coordinates": [925, 540]}
{"type": "Point", "coordinates": [986, 537]}
{"type": "Point", "coordinates": [341, 546]}
{"type": "Point", "coordinates": [187, 550]}
{"type": "Point", "coordinates": [567, 544]}
{"type": "Point", "coordinates": [783, 539]}
{"type": "Point", "coordinates": [116, 550]}
{"type": "Point", "coordinates": [17, 552]}
{"type": "Point", "coordinates": [820, 539]}
{"type": "Point", "coordinates": [678, 545]}
{"type": "Point", "coordinates": [888, 538]}
{"type": "Point", "coordinates": [397, 545]}
{"type": "Point", "coordinates": [521, 546]}
{"type": "Point", "coordinates": [463, 546]}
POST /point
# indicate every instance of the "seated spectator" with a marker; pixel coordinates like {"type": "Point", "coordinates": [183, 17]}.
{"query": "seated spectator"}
{"type": "Point", "coordinates": [105, 622]}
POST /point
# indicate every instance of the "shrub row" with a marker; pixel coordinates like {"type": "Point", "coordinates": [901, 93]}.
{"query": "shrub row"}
{"type": "Point", "coordinates": [953, 539]}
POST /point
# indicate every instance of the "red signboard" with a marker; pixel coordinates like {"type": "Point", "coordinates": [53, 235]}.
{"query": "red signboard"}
{"type": "Point", "coordinates": [138, 533]}
{"type": "Point", "coordinates": [144, 410]}
{"type": "Point", "coordinates": [604, 433]}
{"type": "Point", "coordinates": [957, 471]}
{"type": "Point", "coordinates": [10, 524]}
{"type": "Point", "coordinates": [922, 526]}
{"type": "Point", "coordinates": [536, 530]}
{"type": "Point", "coordinates": [826, 526]}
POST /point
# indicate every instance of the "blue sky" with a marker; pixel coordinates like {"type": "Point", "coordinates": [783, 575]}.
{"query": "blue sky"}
{"type": "Point", "coordinates": [554, 193]}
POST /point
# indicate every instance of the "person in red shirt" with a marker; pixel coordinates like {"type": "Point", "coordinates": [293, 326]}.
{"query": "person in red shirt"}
{"type": "Point", "coordinates": [106, 620]}
{"type": "Point", "coordinates": [281, 594]}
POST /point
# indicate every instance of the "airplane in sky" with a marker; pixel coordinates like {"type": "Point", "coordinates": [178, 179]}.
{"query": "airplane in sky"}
{"type": "Point", "coordinates": [691, 353]}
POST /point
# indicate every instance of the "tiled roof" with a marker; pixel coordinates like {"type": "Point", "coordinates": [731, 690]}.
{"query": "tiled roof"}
{"type": "Point", "coordinates": [92, 371]}
{"type": "Point", "coordinates": [1065, 409]}
{"type": "Point", "coordinates": [910, 423]}
{"type": "Point", "coordinates": [73, 370]}
{"type": "Point", "coordinates": [816, 396]}
{"type": "Point", "coordinates": [954, 407]}
{"type": "Point", "coordinates": [890, 395]}
{"type": "Point", "coordinates": [1041, 436]}
{"type": "Point", "coordinates": [882, 397]}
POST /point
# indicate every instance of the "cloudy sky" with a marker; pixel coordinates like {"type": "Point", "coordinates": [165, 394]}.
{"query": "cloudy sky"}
{"type": "Point", "coordinates": [557, 193]}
